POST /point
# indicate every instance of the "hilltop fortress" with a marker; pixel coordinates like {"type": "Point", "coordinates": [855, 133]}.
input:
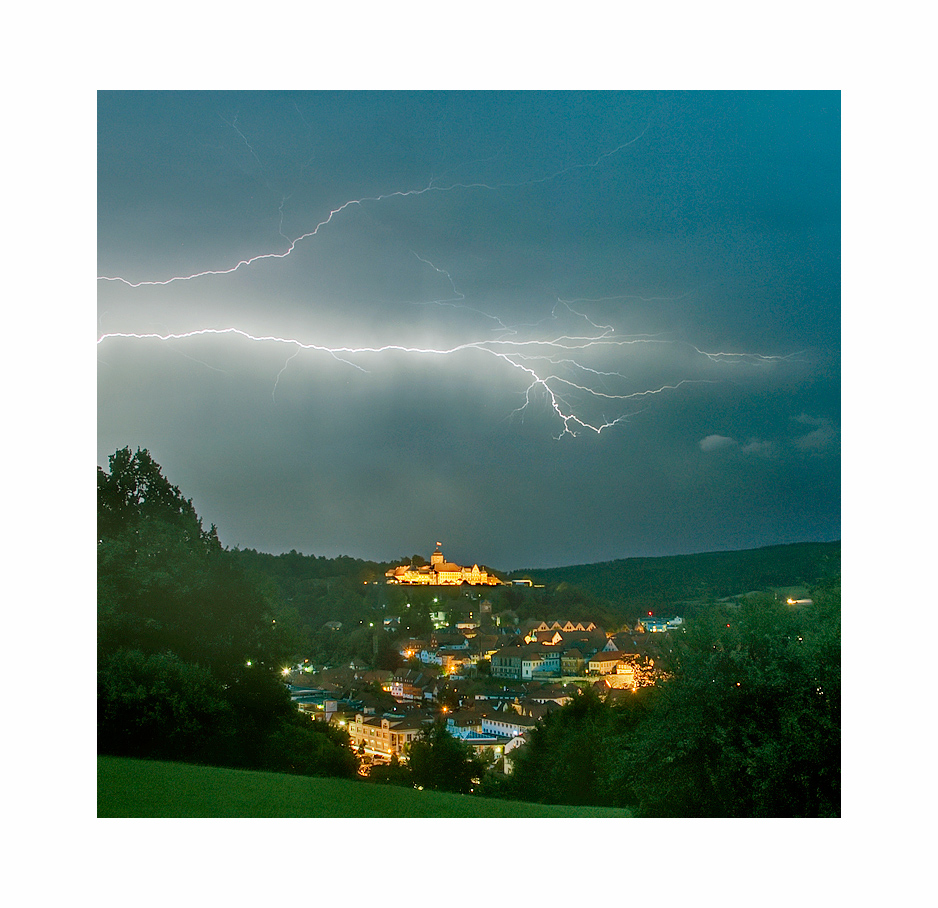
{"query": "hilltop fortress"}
{"type": "Point", "coordinates": [440, 572]}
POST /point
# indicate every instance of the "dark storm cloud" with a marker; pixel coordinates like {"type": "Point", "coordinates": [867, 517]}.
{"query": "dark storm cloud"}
{"type": "Point", "coordinates": [713, 228]}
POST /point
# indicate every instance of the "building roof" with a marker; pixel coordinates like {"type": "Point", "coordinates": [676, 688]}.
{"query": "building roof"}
{"type": "Point", "coordinates": [608, 656]}
{"type": "Point", "coordinates": [451, 638]}
{"type": "Point", "coordinates": [527, 650]}
{"type": "Point", "coordinates": [398, 723]}
{"type": "Point", "coordinates": [535, 709]}
{"type": "Point", "coordinates": [464, 718]}
{"type": "Point", "coordinates": [513, 718]}
{"type": "Point", "coordinates": [412, 676]}
{"type": "Point", "coordinates": [555, 692]}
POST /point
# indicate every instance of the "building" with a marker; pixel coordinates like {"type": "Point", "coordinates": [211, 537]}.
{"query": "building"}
{"type": "Point", "coordinates": [554, 693]}
{"type": "Point", "coordinates": [572, 662]}
{"type": "Point", "coordinates": [411, 648]}
{"type": "Point", "coordinates": [506, 725]}
{"type": "Point", "coordinates": [483, 744]}
{"type": "Point", "coordinates": [651, 625]}
{"type": "Point", "coordinates": [523, 663]}
{"type": "Point", "coordinates": [511, 751]}
{"type": "Point", "coordinates": [383, 736]}
{"type": "Point", "coordinates": [463, 723]}
{"type": "Point", "coordinates": [449, 640]}
{"type": "Point", "coordinates": [452, 659]}
{"type": "Point", "coordinates": [543, 631]}
{"type": "Point", "coordinates": [409, 684]}
{"type": "Point", "coordinates": [440, 572]}
{"type": "Point", "coordinates": [604, 663]}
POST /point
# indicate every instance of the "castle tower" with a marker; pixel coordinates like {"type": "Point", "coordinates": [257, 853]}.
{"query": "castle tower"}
{"type": "Point", "coordinates": [437, 557]}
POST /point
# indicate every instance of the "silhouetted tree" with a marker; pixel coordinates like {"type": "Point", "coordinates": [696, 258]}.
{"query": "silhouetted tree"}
{"type": "Point", "coordinates": [748, 724]}
{"type": "Point", "coordinates": [188, 651]}
{"type": "Point", "coordinates": [392, 773]}
{"type": "Point", "coordinates": [440, 761]}
{"type": "Point", "coordinates": [567, 758]}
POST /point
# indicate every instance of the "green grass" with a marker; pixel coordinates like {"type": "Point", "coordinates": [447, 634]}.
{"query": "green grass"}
{"type": "Point", "coordinates": [146, 788]}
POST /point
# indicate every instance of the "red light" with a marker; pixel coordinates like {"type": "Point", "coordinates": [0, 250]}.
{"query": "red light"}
{"type": "Point", "coordinates": [649, 614]}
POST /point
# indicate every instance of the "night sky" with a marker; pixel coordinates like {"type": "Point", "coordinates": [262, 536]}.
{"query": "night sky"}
{"type": "Point", "coordinates": [541, 328]}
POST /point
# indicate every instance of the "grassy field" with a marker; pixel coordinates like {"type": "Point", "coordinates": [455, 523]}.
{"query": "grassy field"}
{"type": "Point", "coordinates": [145, 788]}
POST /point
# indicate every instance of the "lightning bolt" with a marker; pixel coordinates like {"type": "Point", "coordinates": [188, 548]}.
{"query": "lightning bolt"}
{"type": "Point", "coordinates": [430, 187]}
{"type": "Point", "coordinates": [290, 358]}
{"type": "Point", "coordinates": [528, 357]}
{"type": "Point", "coordinates": [267, 255]}
{"type": "Point", "coordinates": [554, 367]}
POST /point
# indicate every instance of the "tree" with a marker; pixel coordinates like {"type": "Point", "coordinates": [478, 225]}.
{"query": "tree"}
{"type": "Point", "coordinates": [158, 706]}
{"type": "Point", "coordinates": [750, 723]}
{"type": "Point", "coordinates": [438, 760]}
{"type": "Point", "coordinates": [135, 489]}
{"type": "Point", "coordinates": [747, 724]}
{"type": "Point", "coordinates": [571, 752]}
{"type": "Point", "coordinates": [188, 650]}
{"type": "Point", "coordinates": [303, 746]}
{"type": "Point", "coordinates": [392, 773]}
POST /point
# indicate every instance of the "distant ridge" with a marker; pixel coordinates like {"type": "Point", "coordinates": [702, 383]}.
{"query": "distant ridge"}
{"type": "Point", "coordinates": [667, 580]}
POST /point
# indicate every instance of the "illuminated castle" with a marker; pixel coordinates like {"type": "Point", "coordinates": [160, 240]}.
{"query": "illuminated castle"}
{"type": "Point", "coordinates": [441, 573]}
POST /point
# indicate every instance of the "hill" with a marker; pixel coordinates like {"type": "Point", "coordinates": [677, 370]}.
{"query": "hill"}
{"type": "Point", "coordinates": [309, 591]}
{"type": "Point", "coordinates": [665, 582]}
{"type": "Point", "coordinates": [146, 788]}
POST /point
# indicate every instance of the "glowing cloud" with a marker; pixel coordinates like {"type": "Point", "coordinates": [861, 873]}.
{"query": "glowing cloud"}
{"type": "Point", "coordinates": [716, 443]}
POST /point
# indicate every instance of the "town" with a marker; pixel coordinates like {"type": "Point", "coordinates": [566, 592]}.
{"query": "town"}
{"type": "Point", "coordinates": [489, 676]}
{"type": "Point", "coordinates": [529, 689]}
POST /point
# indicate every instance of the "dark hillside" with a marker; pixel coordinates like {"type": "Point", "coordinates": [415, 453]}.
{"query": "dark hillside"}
{"type": "Point", "coordinates": [293, 568]}
{"type": "Point", "coordinates": [663, 583]}
{"type": "Point", "coordinates": [309, 592]}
